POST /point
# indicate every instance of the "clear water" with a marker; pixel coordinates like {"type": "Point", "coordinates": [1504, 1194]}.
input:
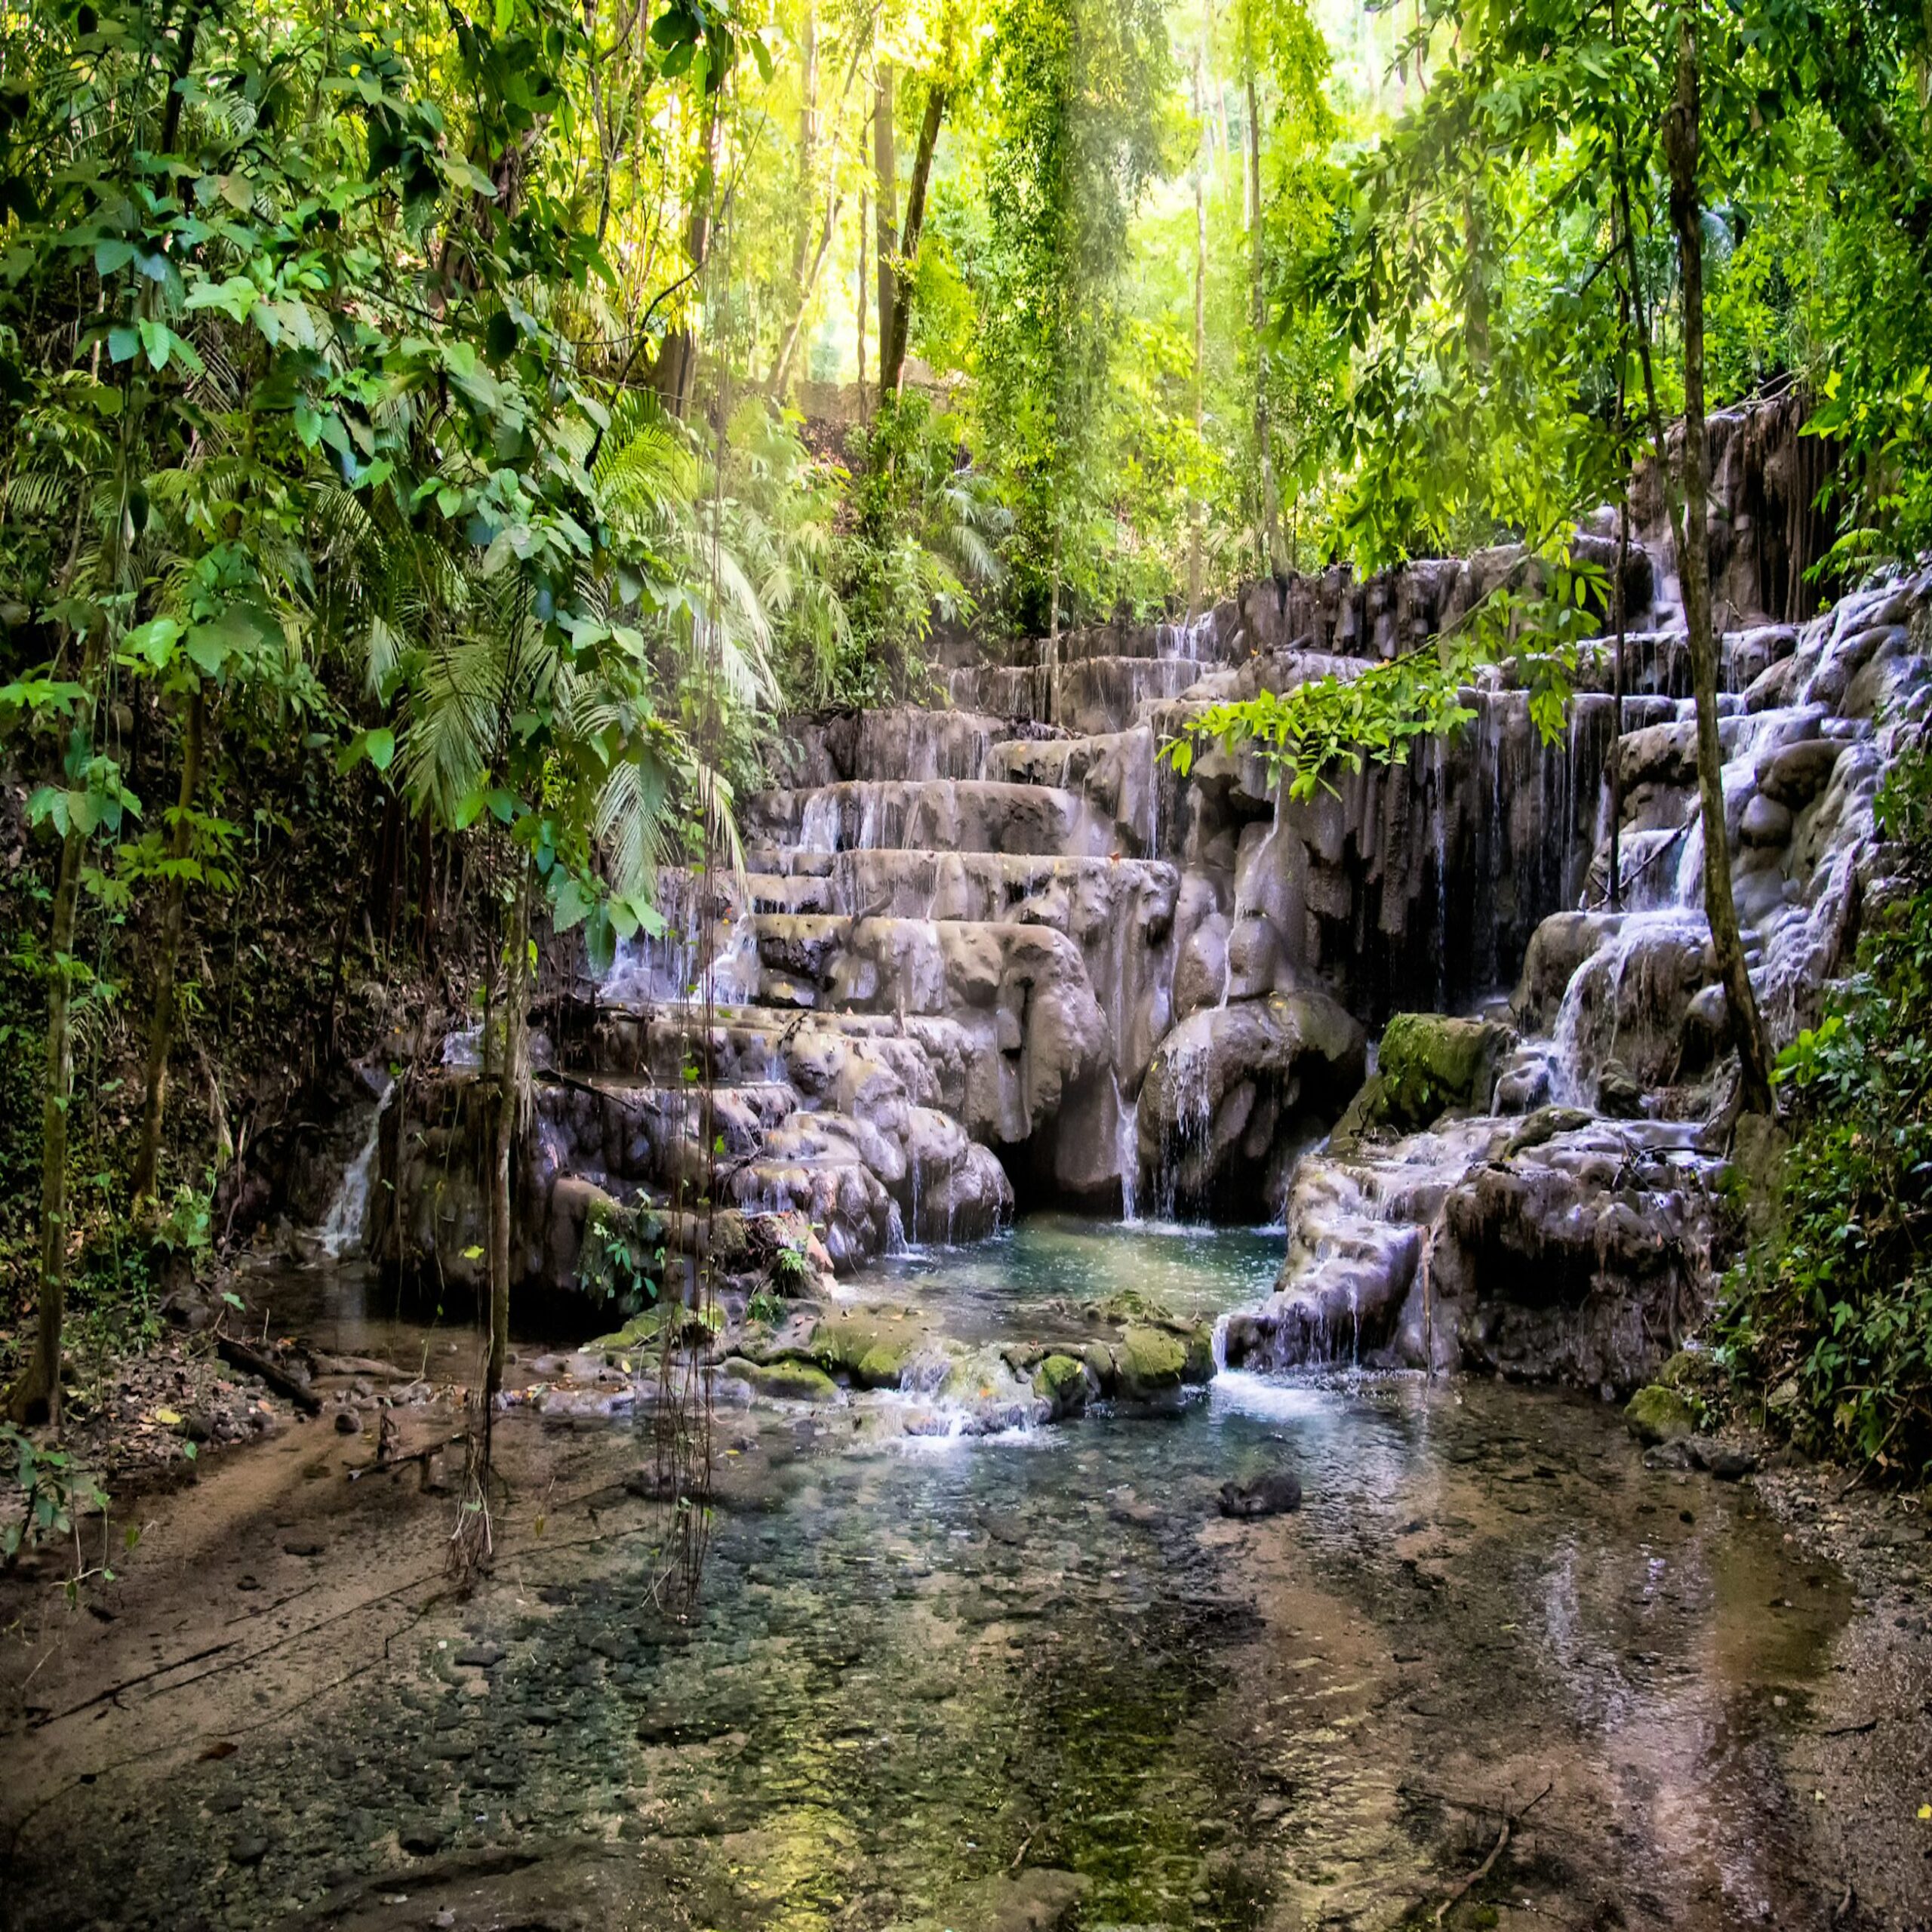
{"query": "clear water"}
{"type": "Point", "coordinates": [1022, 1681]}
{"type": "Point", "coordinates": [1054, 1274]}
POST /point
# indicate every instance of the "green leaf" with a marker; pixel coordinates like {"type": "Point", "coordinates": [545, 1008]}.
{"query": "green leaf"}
{"type": "Point", "coordinates": [111, 256]}
{"type": "Point", "coordinates": [380, 745]}
{"type": "Point", "coordinates": [153, 641]}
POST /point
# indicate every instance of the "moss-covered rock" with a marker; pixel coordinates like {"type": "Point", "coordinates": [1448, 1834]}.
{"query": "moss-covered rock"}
{"type": "Point", "coordinates": [862, 1352]}
{"type": "Point", "coordinates": [784, 1381]}
{"type": "Point", "coordinates": [1655, 1414]}
{"type": "Point", "coordinates": [1149, 1361]}
{"type": "Point", "coordinates": [880, 1366]}
{"type": "Point", "coordinates": [1429, 1063]}
{"type": "Point", "coordinates": [1063, 1381]}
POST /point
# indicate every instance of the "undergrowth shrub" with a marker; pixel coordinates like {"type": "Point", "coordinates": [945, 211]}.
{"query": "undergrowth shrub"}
{"type": "Point", "coordinates": [1827, 1320]}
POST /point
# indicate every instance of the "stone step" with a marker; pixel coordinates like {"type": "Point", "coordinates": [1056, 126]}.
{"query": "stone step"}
{"type": "Point", "coordinates": [901, 742]}
{"type": "Point", "coordinates": [956, 815]}
{"type": "Point", "coordinates": [948, 886]}
{"type": "Point", "coordinates": [1088, 696]}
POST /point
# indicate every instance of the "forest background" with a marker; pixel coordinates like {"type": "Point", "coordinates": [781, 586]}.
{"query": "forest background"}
{"type": "Point", "coordinates": [436, 443]}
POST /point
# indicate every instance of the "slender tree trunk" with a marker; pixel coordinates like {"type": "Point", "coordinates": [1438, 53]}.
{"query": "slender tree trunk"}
{"type": "Point", "coordinates": [892, 344]}
{"type": "Point", "coordinates": [1616, 703]}
{"type": "Point", "coordinates": [781, 369]}
{"type": "Point", "coordinates": [1270, 508]}
{"type": "Point", "coordinates": [37, 1394]}
{"type": "Point", "coordinates": [885, 202]}
{"type": "Point", "coordinates": [509, 1101]}
{"type": "Point", "coordinates": [1194, 572]}
{"type": "Point", "coordinates": [160, 1026]}
{"type": "Point", "coordinates": [1053, 634]}
{"type": "Point", "coordinates": [808, 145]}
{"type": "Point", "coordinates": [1681, 141]}
{"type": "Point", "coordinates": [864, 298]}
{"type": "Point", "coordinates": [677, 360]}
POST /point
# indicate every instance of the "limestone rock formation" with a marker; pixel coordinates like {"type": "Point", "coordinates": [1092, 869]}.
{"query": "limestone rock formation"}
{"type": "Point", "coordinates": [993, 951]}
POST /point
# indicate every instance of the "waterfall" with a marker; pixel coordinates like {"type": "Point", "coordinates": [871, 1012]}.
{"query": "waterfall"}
{"type": "Point", "coordinates": [818, 825]}
{"type": "Point", "coordinates": [1442, 879]}
{"type": "Point", "coordinates": [343, 1226]}
{"type": "Point", "coordinates": [1127, 1153]}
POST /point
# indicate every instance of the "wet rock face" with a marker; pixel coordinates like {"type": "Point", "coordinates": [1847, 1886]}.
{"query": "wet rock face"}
{"type": "Point", "coordinates": [1234, 1091]}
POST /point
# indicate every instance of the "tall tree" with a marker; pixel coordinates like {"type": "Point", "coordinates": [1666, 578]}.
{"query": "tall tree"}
{"type": "Point", "coordinates": [1683, 148]}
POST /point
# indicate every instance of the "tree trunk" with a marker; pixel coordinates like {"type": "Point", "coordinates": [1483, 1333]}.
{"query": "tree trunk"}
{"type": "Point", "coordinates": [1616, 760]}
{"type": "Point", "coordinates": [892, 344]}
{"type": "Point", "coordinates": [808, 145]}
{"type": "Point", "coordinates": [161, 1027]}
{"type": "Point", "coordinates": [514, 1034]}
{"type": "Point", "coordinates": [885, 202]}
{"type": "Point", "coordinates": [864, 297]}
{"type": "Point", "coordinates": [677, 360]}
{"type": "Point", "coordinates": [1682, 139]}
{"type": "Point", "coordinates": [1195, 573]}
{"type": "Point", "coordinates": [36, 1396]}
{"type": "Point", "coordinates": [1270, 508]}
{"type": "Point", "coordinates": [1053, 634]}
{"type": "Point", "coordinates": [781, 369]}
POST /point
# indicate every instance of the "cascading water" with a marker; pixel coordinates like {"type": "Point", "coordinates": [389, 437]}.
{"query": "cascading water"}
{"type": "Point", "coordinates": [1127, 1152]}
{"type": "Point", "coordinates": [345, 1224]}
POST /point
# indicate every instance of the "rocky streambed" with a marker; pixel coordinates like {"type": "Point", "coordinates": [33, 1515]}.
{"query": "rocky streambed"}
{"type": "Point", "coordinates": [1004, 1681]}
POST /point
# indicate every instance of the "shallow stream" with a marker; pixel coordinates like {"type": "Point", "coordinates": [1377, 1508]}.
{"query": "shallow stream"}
{"type": "Point", "coordinates": [1005, 1682]}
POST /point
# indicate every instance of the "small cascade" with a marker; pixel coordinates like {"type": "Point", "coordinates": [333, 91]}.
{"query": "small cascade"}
{"type": "Point", "coordinates": [1193, 1125]}
{"type": "Point", "coordinates": [1442, 829]}
{"type": "Point", "coordinates": [818, 827]}
{"type": "Point", "coordinates": [1127, 1152]}
{"type": "Point", "coordinates": [345, 1224]}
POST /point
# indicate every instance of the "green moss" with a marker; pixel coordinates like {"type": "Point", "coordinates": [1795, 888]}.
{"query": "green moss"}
{"type": "Point", "coordinates": [1062, 1381]}
{"type": "Point", "coordinates": [1149, 1361]}
{"type": "Point", "coordinates": [879, 1366]}
{"type": "Point", "coordinates": [784, 1381]}
{"type": "Point", "coordinates": [1430, 1061]}
{"type": "Point", "coordinates": [1657, 1414]}
{"type": "Point", "coordinates": [840, 1344]}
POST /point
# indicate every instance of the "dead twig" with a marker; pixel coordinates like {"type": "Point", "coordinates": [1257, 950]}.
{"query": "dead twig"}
{"type": "Point", "coordinates": [1482, 1871]}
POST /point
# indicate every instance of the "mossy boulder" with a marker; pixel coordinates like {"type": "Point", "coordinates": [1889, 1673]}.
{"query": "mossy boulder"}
{"type": "Point", "coordinates": [1148, 1362]}
{"type": "Point", "coordinates": [862, 1352]}
{"type": "Point", "coordinates": [1063, 1381]}
{"type": "Point", "coordinates": [1655, 1414]}
{"type": "Point", "coordinates": [1430, 1062]}
{"type": "Point", "coordinates": [645, 1331]}
{"type": "Point", "coordinates": [784, 1381]}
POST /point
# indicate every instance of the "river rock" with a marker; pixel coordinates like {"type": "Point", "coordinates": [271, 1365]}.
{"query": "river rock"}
{"type": "Point", "coordinates": [1794, 774]}
{"type": "Point", "coordinates": [1277, 1493]}
{"type": "Point", "coordinates": [1765, 822]}
{"type": "Point", "coordinates": [1656, 1415]}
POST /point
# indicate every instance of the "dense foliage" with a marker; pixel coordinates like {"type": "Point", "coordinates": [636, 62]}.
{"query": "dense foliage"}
{"type": "Point", "coordinates": [1827, 1321]}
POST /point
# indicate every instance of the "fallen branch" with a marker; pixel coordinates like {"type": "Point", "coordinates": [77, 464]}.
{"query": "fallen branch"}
{"type": "Point", "coordinates": [114, 1690]}
{"type": "Point", "coordinates": [239, 1355]}
{"type": "Point", "coordinates": [1488, 1865]}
